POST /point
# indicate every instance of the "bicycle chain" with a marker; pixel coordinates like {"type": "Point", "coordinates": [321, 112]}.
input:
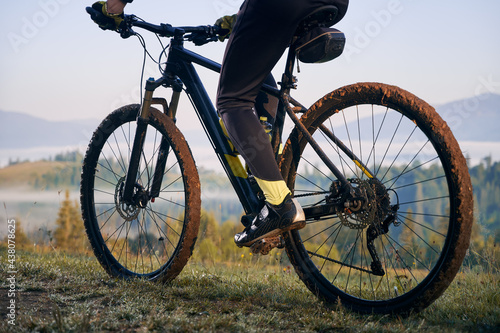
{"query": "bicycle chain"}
{"type": "Point", "coordinates": [310, 194]}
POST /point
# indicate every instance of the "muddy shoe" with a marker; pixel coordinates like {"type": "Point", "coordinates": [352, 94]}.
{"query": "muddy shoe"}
{"type": "Point", "coordinates": [272, 221]}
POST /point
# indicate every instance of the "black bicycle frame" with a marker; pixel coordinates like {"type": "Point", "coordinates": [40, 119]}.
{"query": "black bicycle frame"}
{"type": "Point", "coordinates": [179, 72]}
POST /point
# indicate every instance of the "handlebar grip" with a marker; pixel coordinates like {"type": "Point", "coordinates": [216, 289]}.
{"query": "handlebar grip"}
{"type": "Point", "coordinates": [106, 23]}
{"type": "Point", "coordinates": [94, 14]}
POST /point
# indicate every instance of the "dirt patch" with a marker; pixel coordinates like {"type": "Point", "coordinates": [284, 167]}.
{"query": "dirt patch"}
{"type": "Point", "coordinates": [35, 302]}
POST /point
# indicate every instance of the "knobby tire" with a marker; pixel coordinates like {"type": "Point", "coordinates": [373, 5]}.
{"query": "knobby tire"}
{"type": "Point", "coordinates": [412, 152]}
{"type": "Point", "coordinates": [154, 242]}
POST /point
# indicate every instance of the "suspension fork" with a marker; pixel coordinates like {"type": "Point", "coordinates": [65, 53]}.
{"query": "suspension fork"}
{"type": "Point", "coordinates": [161, 161]}
{"type": "Point", "coordinates": [138, 144]}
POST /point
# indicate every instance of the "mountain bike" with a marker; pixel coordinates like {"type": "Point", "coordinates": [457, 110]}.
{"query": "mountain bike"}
{"type": "Point", "coordinates": [382, 181]}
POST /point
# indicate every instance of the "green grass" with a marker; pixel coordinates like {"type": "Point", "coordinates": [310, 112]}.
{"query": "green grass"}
{"type": "Point", "coordinates": [59, 292]}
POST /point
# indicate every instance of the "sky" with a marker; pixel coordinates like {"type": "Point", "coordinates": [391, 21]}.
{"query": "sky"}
{"type": "Point", "coordinates": [56, 64]}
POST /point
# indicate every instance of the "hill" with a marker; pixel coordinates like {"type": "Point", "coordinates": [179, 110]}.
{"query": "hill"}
{"type": "Point", "coordinates": [41, 175]}
{"type": "Point", "coordinates": [471, 119]}
{"type": "Point", "coordinates": [28, 174]}
{"type": "Point", "coordinates": [18, 130]}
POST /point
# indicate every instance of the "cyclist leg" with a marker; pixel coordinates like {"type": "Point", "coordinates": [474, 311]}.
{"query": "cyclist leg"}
{"type": "Point", "coordinates": [262, 33]}
{"type": "Point", "coordinates": [267, 105]}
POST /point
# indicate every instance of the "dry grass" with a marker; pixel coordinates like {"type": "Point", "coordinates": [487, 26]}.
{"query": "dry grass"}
{"type": "Point", "coordinates": [58, 292]}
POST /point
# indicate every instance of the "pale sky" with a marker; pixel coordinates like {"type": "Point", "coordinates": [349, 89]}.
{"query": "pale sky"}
{"type": "Point", "coordinates": [56, 64]}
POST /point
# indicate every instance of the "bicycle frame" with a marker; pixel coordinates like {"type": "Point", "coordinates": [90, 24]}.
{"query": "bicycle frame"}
{"type": "Point", "coordinates": [179, 73]}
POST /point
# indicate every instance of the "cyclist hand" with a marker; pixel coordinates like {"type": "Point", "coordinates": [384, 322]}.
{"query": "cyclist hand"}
{"type": "Point", "coordinates": [108, 21]}
{"type": "Point", "coordinates": [226, 23]}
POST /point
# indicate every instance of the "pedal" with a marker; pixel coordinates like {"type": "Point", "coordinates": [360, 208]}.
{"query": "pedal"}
{"type": "Point", "coordinates": [265, 245]}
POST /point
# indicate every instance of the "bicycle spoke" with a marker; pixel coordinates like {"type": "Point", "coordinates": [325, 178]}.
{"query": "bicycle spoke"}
{"type": "Point", "coordinates": [418, 182]}
{"type": "Point", "coordinates": [120, 160]}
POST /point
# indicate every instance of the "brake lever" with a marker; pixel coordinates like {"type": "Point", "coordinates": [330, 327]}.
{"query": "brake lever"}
{"type": "Point", "coordinates": [209, 34]}
{"type": "Point", "coordinates": [126, 31]}
{"type": "Point", "coordinates": [198, 38]}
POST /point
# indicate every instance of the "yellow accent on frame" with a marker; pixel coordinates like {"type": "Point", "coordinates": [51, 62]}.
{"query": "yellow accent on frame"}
{"type": "Point", "coordinates": [363, 169]}
{"type": "Point", "coordinates": [236, 166]}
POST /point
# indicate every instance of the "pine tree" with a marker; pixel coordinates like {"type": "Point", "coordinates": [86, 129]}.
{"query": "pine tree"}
{"type": "Point", "coordinates": [63, 223]}
{"type": "Point", "coordinates": [230, 252]}
{"type": "Point", "coordinates": [407, 236]}
{"type": "Point", "coordinates": [70, 234]}
{"type": "Point", "coordinates": [22, 241]}
{"type": "Point", "coordinates": [409, 239]}
{"type": "Point", "coordinates": [77, 235]}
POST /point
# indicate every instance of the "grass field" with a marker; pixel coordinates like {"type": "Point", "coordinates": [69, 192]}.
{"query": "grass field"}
{"type": "Point", "coordinates": [59, 292]}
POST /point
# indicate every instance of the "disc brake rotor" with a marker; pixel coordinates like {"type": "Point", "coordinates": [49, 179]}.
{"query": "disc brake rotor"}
{"type": "Point", "coordinates": [370, 209]}
{"type": "Point", "coordinates": [127, 212]}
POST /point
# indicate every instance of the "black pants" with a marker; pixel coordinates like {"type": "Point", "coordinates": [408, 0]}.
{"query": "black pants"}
{"type": "Point", "coordinates": [263, 31]}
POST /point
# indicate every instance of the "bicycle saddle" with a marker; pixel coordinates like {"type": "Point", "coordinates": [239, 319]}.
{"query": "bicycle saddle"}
{"type": "Point", "coordinates": [323, 16]}
{"type": "Point", "coordinates": [315, 41]}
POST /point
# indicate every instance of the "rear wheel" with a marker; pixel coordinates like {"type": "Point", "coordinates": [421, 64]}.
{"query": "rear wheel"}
{"type": "Point", "coordinates": [153, 239]}
{"type": "Point", "coordinates": [402, 249]}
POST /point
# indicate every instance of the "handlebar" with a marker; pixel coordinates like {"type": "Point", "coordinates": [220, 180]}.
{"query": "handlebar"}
{"type": "Point", "coordinates": [199, 34]}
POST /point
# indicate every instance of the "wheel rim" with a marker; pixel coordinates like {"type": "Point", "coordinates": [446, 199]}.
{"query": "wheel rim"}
{"type": "Point", "coordinates": [135, 240]}
{"type": "Point", "coordinates": [409, 167]}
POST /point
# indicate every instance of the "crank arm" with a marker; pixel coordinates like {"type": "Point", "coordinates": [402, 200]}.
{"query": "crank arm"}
{"type": "Point", "coordinates": [317, 212]}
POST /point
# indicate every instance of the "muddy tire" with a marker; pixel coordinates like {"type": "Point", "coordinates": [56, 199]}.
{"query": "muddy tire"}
{"type": "Point", "coordinates": [414, 166]}
{"type": "Point", "coordinates": [153, 242]}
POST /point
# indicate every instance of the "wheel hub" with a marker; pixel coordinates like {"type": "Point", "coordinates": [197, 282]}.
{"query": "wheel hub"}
{"type": "Point", "coordinates": [369, 206]}
{"type": "Point", "coordinates": [127, 212]}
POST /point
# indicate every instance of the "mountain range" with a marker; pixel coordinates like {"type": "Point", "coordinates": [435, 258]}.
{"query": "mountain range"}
{"type": "Point", "coordinates": [18, 130]}
{"type": "Point", "coordinates": [472, 119]}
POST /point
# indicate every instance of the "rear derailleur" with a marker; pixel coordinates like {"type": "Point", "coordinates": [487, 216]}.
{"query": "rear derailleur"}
{"type": "Point", "coordinates": [367, 207]}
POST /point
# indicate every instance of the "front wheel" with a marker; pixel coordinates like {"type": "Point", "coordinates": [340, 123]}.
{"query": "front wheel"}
{"type": "Point", "coordinates": [153, 239]}
{"type": "Point", "coordinates": [401, 250]}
